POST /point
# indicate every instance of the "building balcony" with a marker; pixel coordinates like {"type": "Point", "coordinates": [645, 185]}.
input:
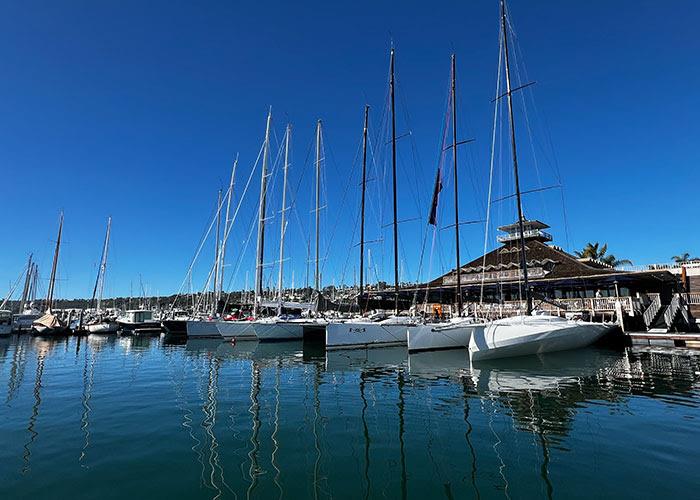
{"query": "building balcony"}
{"type": "Point", "coordinates": [528, 234]}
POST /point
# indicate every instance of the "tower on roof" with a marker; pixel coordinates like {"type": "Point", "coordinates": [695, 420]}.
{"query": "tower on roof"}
{"type": "Point", "coordinates": [533, 230]}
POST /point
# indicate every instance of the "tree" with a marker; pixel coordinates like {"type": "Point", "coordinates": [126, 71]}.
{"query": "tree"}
{"type": "Point", "coordinates": [683, 258]}
{"type": "Point", "coordinates": [595, 252]}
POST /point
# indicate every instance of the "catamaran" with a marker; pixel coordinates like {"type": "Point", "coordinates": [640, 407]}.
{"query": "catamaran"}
{"type": "Point", "coordinates": [529, 333]}
{"type": "Point", "coordinates": [49, 323]}
{"type": "Point", "coordinates": [393, 330]}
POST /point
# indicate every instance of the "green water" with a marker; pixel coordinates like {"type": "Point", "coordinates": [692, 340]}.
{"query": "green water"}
{"type": "Point", "coordinates": [111, 417]}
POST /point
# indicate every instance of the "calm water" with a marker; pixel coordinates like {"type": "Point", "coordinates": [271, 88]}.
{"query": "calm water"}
{"type": "Point", "coordinates": [111, 417]}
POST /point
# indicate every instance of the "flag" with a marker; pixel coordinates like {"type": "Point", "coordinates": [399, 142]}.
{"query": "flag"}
{"type": "Point", "coordinates": [432, 218]}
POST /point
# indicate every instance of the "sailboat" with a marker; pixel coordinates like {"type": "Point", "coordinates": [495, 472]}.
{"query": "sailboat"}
{"type": "Point", "coordinates": [456, 333]}
{"type": "Point", "coordinates": [243, 329]}
{"type": "Point", "coordinates": [49, 323]}
{"type": "Point", "coordinates": [28, 313]}
{"type": "Point", "coordinates": [289, 326]}
{"type": "Point", "coordinates": [386, 331]}
{"type": "Point", "coordinates": [532, 333]}
{"type": "Point", "coordinates": [102, 323]}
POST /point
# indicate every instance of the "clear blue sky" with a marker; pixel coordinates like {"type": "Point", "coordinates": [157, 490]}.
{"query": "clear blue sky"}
{"type": "Point", "coordinates": [136, 110]}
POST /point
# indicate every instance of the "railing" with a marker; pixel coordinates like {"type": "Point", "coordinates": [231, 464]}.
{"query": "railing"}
{"type": "Point", "coordinates": [661, 267]}
{"type": "Point", "coordinates": [672, 310]}
{"type": "Point", "coordinates": [652, 311]}
{"type": "Point", "coordinates": [693, 298]}
{"type": "Point", "coordinates": [530, 233]}
{"type": "Point", "coordinates": [595, 305]}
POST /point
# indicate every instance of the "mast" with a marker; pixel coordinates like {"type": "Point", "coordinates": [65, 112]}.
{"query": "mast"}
{"type": "Point", "coordinates": [52, 280]}
{"type": "Point", "coordinates": [393, 173]}
{"type": "Point", "coordinates": [217, 249]}
{"type": "Point", "coordinates": [27, 283]}
{"type": "Point", "coordinates": [283, 221]}
{"type": "Point", "coordinates": [99, 281]}
{"type": "Point", "coordinates": [317, 276]}
{"type": "Point", "coordinates": [227, 228]}
{"type": "Point", "coordinates": [261, 219]}
{"type": "Point", "coordinates": [523, 257]}
{"type": "Point", "coordinates": [362, 203]}
{"type": "Point", "coordinates": [454, 156]}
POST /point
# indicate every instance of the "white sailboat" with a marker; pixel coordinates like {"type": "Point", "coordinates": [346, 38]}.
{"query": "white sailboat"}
{"type": "Point", "coordinates": [456, 333]}
{"type": "Point", "coordinates": [49, 323]}
{"type": "Point", "coordinates": [245, 329]}
{"type": "Point", "coordinates": [529, 333]}
{"type": "Point", "coordinates": [102, 322]}
{"type": "Point", "coordinates": [393, 330]}
{"type": "Point", "coordinates": [28, 312]}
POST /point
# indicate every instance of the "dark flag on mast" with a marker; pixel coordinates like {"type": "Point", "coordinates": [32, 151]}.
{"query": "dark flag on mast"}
{"type": "Point", "coordinates": [432, 218]}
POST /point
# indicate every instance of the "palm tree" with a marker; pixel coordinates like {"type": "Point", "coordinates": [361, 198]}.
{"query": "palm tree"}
{"type": "Point", "coordinates": [595, 252]}
{"type": "Point", "coordinates": [683, 258]}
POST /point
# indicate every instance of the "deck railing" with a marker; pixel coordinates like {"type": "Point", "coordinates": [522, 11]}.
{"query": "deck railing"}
{"type": "Point", "coordinates": [693, 298]}
{"type": "Point", "coordinates": [594, 305]}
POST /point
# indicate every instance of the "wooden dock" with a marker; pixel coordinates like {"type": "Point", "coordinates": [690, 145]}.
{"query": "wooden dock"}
{"type": "Point", "coordinates": [665, 339]}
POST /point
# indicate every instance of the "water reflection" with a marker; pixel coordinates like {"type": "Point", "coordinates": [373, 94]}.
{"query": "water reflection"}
{"type": "Point", "coordinates": [287, 420]}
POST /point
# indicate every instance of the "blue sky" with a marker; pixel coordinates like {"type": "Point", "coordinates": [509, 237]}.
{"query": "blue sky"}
{"type": "Point", "coordinates": [136, 110]}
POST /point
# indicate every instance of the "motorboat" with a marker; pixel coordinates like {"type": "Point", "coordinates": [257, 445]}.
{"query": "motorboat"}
{"type": "Point", "coordinates": [23, 321]}
{"type": "Point", "coordinates": [5, 323]}
{"type": "Point", "coordinates": [538, 333]}
{"type": "Point", "coordinates": [453, 334]}
{"type": "Point", "coordinates": [372, 332]}
{"type": "Point", "coordinates": [138, 321]}
{"type": "Point", "coordinates": [103, 325]}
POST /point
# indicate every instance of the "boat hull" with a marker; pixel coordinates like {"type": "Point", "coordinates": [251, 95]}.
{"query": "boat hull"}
{"type": "Point", "coordinates": [358, 335]}
{"type": "Point", "coordinates": [236, 330]}
{"type": "Point", "coordinates": [511, 338]}
{"type": "Point", "coordinates": [435, 337]}
{"type": "Point", "coordinates": [278, 330]}
{"type": "Point", "coordinates": [105, 327]}
{"type": "Point", "coordinates": [202, 329]}
{"type": "Point", "coordinates": [175, 327]}
{"type": "Point", "coordinates": [142, 328]}
{"type": "Point", "coordinates": [5, 330]}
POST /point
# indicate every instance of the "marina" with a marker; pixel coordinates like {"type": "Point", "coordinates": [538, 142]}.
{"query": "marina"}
{"type": "Point", "coordinates": [299, 252]}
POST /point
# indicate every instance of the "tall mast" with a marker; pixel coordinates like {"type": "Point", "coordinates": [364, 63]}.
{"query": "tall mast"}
{"type": "Point", "coordinates": [27, 283]}
{"type": "Point", "coordinates": [217, 249]}
{"type": "Point", "coordinates": [454, 156]}
{"type": "Point", "coordinates": [227, 228]}
{"type": "Point", "coordinates": [261, 219]}
{"type": "Point", "coordinates": [523, 257]}
{"type": "Point", "coordinates": [283, 221]}
{"type": "Point", "coordinates": [362, 203]}
{"type": "Point", "coordinates": [317, 276]}
{"type": "Point", "coordinates": [393, 172]}
{"type": "Point", "coordinates": [52, 280]}
{"type": "Point", "coordinates": [99, 281]}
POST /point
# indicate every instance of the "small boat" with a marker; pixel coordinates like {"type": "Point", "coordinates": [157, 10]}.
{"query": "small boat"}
{"type": "Point", "coordinates": [103, 325]}
{"type": "Point", "coordinates": [23, 321]}
{"type": "Point", "coordinates": [138, 321]}
{"type": "Point", "coordinates": [454, 334]}
{"type": "Point", "coordinates": [364, 333]}
{"type": "Point", "coordinates": [535, 334]}
{"type": "Point", "coordinates": [5, 323]}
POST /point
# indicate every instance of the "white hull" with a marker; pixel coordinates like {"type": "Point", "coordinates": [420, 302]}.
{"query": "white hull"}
{"type": "Point", "coordinates": [437, 336]}
{"type": "Point", "coordinates": [278, 330]}
{"type": "Point", "coordinates": [527, 335]}
{"type": "Point", "coordinates": [236, 329]}
{"type": "Point", "coordinates": [107, 327]}
{"type": "Point", "coordinates": [203, 329]}
{"type": "Point", "coordinates": [357, 334]}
